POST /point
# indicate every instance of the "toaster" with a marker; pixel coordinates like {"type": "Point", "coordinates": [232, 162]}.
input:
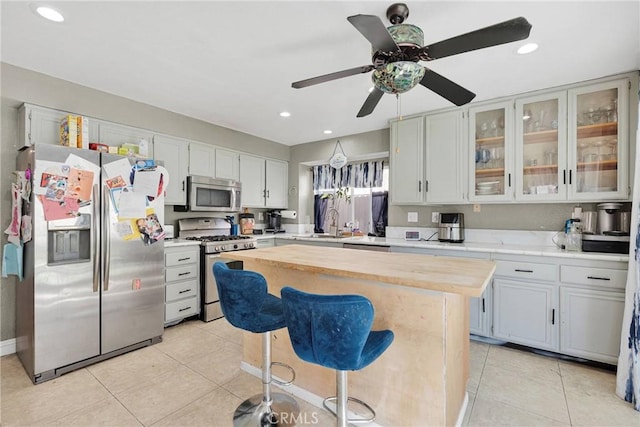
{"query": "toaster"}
{"type": "Point", "coordinates": [451, 228]}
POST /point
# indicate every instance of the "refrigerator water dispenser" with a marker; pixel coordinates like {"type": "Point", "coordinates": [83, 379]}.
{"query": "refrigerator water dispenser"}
{"type": "Point", "coordinates": [69, 240]}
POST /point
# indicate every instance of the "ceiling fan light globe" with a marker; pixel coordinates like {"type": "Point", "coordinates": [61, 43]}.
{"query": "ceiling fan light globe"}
{"type": "Point", "coordinates": [398, 77]}
{"type": "Point", "coordinates": [406, 35]}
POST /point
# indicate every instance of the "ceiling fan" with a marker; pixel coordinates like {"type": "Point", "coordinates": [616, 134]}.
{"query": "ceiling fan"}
{"type": "Point", "coordinates": [398, 49]}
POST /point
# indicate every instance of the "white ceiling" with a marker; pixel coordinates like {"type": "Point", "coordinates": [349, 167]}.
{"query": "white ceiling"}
{"type": "Point", "coordinates": [232, 63]}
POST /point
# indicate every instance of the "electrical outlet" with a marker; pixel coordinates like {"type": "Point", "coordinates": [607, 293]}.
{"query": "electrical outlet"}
{"type": "Point", "coordinates": [260, 216]}
{"type": "Point", "coordinates": [476, 208]}
{"type": "Point", "coordinates": [435, 216]}
{"type": "Point", "coordinates": [412, 216]}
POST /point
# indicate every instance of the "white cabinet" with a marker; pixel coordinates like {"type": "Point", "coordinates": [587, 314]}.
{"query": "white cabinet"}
{"type": "Point", "coordinates": [264, 182]}
{"type": "Point", "coordinates": [174, 153]}
{"type": "Point", "coordinates": [406, 161]}
{"type": "Point", "coordinates": [491, 152]}
{"type": "Point", "coordinates": [266, 243]}
{"type": "Point", "coordinates": [202, 159]}
{"type": "Point", "coordinates": [283, 242]}
{"type": "Point", "coordinates": [227, 164]}
{"type": "Point", "coordinates": [39, 125]}
{"type": "Point", "coordinates": [114, 134]}
{"type": "Point", "coordinates": [425, 159]}
{"type": "Point", "coordinates": [598, 141]}
{"type": "Point", "coordinates": [591, 322]}
{"type": "Point", "coordinates": [444, 154]}
{"type": "Point", "coordinates": [182, 283]}
{"type": "Point", "coordinates": [526, 313]}
{"type": "Point", "coordinates": [541, 148]}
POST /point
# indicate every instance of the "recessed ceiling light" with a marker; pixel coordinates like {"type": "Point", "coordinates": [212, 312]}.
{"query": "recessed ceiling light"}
{"type": "Point", "coordinates": [49, 13]}
{"type": "Point", "coordinates": [285, 114]}
{"type": "Point", "coordinates": [327, 132]}
{"type": "Point", "coordinates": [527, 48]}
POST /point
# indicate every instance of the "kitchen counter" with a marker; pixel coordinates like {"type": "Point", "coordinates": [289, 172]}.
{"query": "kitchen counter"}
{"type": "Point", "coordinates": [423, 299]}
{"type": "Point", "coordinates": [468, 246]}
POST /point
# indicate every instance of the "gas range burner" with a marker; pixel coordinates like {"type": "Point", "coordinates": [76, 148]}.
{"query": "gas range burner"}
{"type": "Point", "coordinates": [217, 238]}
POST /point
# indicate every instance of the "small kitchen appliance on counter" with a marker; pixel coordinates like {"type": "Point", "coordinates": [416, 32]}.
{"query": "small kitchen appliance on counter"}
{"type": "Point", "coordinates": [451, 228]}
{"type": "Point", "coordinates": [612, 230]}
{"type": "Point", "coordinates": [274, 222]}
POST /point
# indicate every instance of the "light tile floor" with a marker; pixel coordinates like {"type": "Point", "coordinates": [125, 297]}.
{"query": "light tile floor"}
{"type": "Point", "coordinates": [193, 378]}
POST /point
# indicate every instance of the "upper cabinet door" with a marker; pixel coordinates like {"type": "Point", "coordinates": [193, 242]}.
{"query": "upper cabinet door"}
{"type": "Point", "coordinates": [115, 135]}
{"type": "Point", "coordinates": [277, 179]}
{"type": "Point", "coordinates": [252, 177]}
{"type": "Point", "coordinates": [407, 184]}
{"type": "Point", "coordinates": [174, 153]}
{"type": "Point", "coordinates": [490, 152]}
{"type": "Point", "coordinates": [202, 160]}
{"type": "Point", "coordinates": [541, 147]}
{"type": "Point", "coordinates": [598, 141]}
{"type": "Point", "coordinates": [444, 158]}
{"type": "Point", "coordinates": [227, 164]}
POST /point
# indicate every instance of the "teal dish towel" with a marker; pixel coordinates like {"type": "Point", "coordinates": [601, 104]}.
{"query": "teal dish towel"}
{"type": "Point", "coordinates": [12, 260]}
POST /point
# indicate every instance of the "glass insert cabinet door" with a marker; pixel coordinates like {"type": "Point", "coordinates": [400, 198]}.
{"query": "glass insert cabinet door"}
{"type": "Point", "coordinates": [489, 131]}
{"type": "Point", "coordinates": [541, 147]}
{"type": "Point", "coordinates": [598, 141]}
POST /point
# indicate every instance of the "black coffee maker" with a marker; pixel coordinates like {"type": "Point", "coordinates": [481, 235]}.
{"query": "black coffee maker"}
{"type": "Point", "coordinates": [274, 222]}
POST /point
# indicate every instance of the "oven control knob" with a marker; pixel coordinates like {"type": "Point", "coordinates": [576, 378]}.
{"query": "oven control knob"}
{"type": "Point", "coordinates": [216, 248]}
{"type": "Point", "coordinates": [249, 245]}
{"type": "Point", "coordinates": [235, 246]}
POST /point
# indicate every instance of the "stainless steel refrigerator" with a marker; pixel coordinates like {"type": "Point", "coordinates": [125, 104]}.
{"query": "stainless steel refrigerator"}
{"type": "Point", "coordinates": [88, 293]}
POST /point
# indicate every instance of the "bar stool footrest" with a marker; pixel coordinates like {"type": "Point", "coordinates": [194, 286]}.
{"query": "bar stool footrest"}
{"type": "Point", "coordinates": [352, 399]}
{"type": "Point", "coordinates": [290, 368]}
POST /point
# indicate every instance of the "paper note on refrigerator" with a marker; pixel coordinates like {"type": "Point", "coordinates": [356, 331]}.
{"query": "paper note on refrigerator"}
{"type": "Point", "coordinates": [80, 163]}
{"type": "Point", "coordinates": [120, 167]}
{"type": "Point", "coordinates": [146, 182]}
{"type": "Point", "coordinates": [131, 204]}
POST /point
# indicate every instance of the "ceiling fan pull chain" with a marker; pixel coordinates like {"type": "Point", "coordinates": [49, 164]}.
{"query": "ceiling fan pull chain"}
{"type": "Point", "coordinates": [398, 107]}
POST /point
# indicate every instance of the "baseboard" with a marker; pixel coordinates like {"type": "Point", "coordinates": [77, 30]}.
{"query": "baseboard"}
{"type": "Point", "coordinates": [7, 347]}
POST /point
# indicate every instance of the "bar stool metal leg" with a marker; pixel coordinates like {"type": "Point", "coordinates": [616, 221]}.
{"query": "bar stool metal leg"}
{"type": "Point", "coordinates": [342, 402]}
{"type": "Point", "coordinates": [266, 409]}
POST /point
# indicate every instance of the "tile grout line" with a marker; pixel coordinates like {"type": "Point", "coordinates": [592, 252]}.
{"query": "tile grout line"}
{"type": "Point", "coordinates": [564, 392]}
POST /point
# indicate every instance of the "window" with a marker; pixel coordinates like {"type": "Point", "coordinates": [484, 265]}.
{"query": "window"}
{"type": "Point", "coordinates": [366, 210]}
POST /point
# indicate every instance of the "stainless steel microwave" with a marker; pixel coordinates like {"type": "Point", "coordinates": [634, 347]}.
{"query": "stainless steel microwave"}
{"type": "Point", "coordinates": [206, 194]}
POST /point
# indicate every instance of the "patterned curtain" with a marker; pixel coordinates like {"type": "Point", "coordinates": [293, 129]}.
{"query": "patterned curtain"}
{"type": "Point", "coordinates": [628, 375]}
{"type": "Point", "coordinates": [360, 175]}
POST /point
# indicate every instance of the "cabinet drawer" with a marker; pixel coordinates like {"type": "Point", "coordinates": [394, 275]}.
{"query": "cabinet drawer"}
{"type": "Point", "coordinates": [181, 258]}
{"type": "Point", "coordinates": [181, 309]}
{"type": "Point", "coordinates": [189, 271]}
{"type": "Point", "coordinates": [527, 270]}
{"type": "Point", "coordinates": [601, 277]}
{"type": "Point", "coordinates": [175, 291]}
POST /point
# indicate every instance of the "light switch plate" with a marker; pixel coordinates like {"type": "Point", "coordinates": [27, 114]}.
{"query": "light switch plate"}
{"type": "Point", "coordinates": [412, 216]}
{"type": "Point", "coordinates": [435, 217]}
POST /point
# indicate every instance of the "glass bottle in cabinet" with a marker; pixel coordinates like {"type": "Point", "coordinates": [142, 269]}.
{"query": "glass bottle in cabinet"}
{"type": "Point", "coordinates": [489, 131]}
{"type": "Point", "coordinates": [541, 147]}
{"type": "Point", "coordinates": [598, 141]}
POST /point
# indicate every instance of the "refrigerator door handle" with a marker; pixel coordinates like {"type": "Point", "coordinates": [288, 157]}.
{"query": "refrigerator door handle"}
{"type": "Point", "coordinates": [95, 236]}
{"type": "Point", "coordinates": [105, 236]}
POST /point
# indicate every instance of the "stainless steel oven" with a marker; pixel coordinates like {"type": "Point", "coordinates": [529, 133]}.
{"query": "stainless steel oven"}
{"type": "Point", "coordinates": [211, 309]}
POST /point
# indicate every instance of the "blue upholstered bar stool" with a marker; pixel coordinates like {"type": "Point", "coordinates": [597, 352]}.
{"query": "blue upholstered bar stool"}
{"type": "Point", "coordinates": [334, 331]}
{"type": "Point", "coordinates": [247, 305]}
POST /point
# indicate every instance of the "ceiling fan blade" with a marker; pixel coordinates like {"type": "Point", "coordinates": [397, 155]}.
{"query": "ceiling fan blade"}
{"type": "Point", "coordinates": [332, 76]}
{"type": "Point", "coordinates": [446, 88]}
{"type": "Point", "coordinates": [372, 28]}
{"type": "Point", "coordinates": [504, 32]}
{"type": "Point", "coordinates": [370, 103]}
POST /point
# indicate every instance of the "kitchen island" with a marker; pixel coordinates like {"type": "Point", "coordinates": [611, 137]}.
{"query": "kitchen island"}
{"type": "Point", "coordinates": [421, 379]}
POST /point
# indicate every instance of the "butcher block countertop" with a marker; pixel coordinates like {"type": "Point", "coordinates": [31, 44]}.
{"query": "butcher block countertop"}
{"type": "Point", "coordinates": [462, 276]}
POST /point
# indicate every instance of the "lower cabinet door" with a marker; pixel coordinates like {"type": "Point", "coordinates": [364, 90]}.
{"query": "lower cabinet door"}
{"type": "Point", "coordinates": [526, 313]}
{"type": "Point", "coordinates": [181, 309]}
{"type": "Point", "coordinates": [591, 321]}
{"type": "Point", "coordinates": [480, 314]}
